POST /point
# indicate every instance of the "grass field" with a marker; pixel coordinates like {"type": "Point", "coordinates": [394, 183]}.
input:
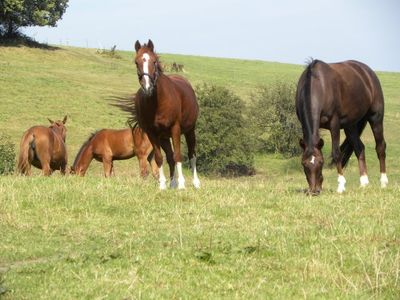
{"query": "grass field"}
{"type": "Point", "coordinates": [121, 238]}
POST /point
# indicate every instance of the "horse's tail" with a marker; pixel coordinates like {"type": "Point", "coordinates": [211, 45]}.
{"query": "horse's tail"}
{"type": "Point", "coordinates": [346, 149]}
{"type": "Point", "coordinates": [26, 153]}
{"type": "Point", "coordinates": [127, 105]}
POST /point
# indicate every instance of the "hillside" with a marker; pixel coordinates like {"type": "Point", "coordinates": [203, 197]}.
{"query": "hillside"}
{"type": "Point", "coordinates": [37, 84]}
{"type": "Point", "coordinates": [236, 238]}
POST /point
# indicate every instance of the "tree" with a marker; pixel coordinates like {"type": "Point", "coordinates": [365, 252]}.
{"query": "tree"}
{"type": "Point", "coordinates": [224, 143]}
{"type": "Point", "coordinates": [20, 13]}
{"type": "Point", "coordinates": [273, 119]}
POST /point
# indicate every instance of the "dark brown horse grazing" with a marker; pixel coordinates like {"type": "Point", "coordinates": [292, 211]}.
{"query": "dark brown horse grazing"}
{"type": "Point", "coordinates": [165, 108]}
{"type": "Point", "coordinates": [333, 96]}
{"type": "Point", "coordinates": [107, 145]}
{"type": "Point", "coordinates": [44, 148]}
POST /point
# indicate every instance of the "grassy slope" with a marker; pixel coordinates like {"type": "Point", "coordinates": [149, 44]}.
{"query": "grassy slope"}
{"type": "Point", "coordinates": [255, 237]}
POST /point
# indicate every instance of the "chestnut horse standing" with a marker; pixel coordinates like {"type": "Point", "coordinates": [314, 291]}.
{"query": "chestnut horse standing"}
{"type": "Point", "coordinates": [44, 148]}
{"type": "Point", "coordinates": [165, 108]}
{"type": "Point", "coordinates": [333, 96]}
{"type": "Point", "coordinates": [107, 145]}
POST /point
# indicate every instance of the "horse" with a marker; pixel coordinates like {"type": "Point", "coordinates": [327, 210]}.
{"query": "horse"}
{"type": "Point", "coordinates": [44, 147]}
{"type": "Point", "coordinates": [107, 145]}
{"type": "Point", "coordinates": [334, 96]}
{"type": "Point", "coordinates": [165, 107]}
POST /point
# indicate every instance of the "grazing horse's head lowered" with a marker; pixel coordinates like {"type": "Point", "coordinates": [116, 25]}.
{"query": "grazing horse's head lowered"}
{"type": "Point", "coordinates": [147, 65]}
{"type": "Point", "coordinates": [334, 96]}
{"type": "Point", "coordinates": [313, 161]}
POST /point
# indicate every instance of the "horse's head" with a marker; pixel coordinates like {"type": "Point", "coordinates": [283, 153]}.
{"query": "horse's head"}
{"type": "Point", "coordinates": [59, 127]}
{"type": "Point", "coordinates": [147, 65]}
{"type": "Point", "coordinates": [313, 161]}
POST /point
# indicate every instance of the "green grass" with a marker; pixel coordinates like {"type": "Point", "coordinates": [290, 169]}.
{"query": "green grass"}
{"type": "Point", "coordinates": [121, 238]}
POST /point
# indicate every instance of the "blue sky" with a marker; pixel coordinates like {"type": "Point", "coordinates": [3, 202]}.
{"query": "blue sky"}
{"type": "Point", "coordinates": [284, 31]}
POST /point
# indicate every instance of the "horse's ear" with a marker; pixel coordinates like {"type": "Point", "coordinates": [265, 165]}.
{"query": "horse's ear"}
{"type": "Point", "coordinates": [320, 144]}
{"type": "Point", "coordinates": [150, 45]}
{"type": "Point", "coordinates": [65, 119]}
{"type": "Point", "coordinates": [137, 46]}
{"type": "Point", "coordinates": [50, 120]}
{"type": "Point", "coordinates": [302, 144]}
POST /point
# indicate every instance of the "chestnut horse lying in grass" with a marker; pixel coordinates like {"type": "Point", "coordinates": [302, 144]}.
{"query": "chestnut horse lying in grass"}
{"type": "Point", "coordinates": [44, 148]}
{"type": "Point", "coordinates": [107, 145]}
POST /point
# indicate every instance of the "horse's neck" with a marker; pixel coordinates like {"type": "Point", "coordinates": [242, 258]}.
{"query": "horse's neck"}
{"type": "Point", "coordinates": [311, 131]}
{"type": "Point", "coordinates": [83, 158]}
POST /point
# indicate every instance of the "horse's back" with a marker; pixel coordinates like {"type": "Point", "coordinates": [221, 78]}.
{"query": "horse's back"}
{"type": "Point", "coordinates": [115, 143]}
{"type": "Point", "coordinates": [350, 88]}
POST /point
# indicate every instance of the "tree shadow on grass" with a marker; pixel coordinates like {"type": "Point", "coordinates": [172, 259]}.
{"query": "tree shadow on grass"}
{"type": "Point", "coordinates": [20, 40]}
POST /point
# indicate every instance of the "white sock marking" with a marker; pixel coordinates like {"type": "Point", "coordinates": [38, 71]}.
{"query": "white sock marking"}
{"type": "Point", "coordinates": [364, 180]}
{"type": "Point", "coordinates": [162, 179]}
{"type": "Point", "coordinates": [342, 181]}
{"type": "Point", "coordinates": [181, 179]}
{"type": "Point", "coordinates": [146, 59]}
{"type": "Point", "coordinates": [196, 180]}
{"type": "Point", "coordinates": [384, 180]}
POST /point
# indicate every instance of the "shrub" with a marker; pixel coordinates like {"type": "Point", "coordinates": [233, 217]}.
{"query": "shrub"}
{"type": "Point", "coordinates": [224, 143]}
{"type": "Point", "coordinates": [274, 121]}
{"type": "Point", "coordinates": [7, 155]}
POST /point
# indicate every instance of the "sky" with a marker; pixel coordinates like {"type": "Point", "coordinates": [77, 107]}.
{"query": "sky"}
{"type": "Point", "coordinates": [287, 31]}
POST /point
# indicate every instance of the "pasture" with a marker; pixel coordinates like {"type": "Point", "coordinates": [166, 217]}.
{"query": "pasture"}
{"type": "Point", "coordinates": [122, 238]}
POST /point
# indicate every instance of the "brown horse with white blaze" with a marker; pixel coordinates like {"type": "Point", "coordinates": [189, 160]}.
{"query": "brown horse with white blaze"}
{"type": "Point", "coordinates": [107, 145]}
{"type": "Point", "coordinates": [44, 148]}
{"type": "Point", "coordinates": [343, 95]}
{"type": "Point", "coordinates": [166, 107]}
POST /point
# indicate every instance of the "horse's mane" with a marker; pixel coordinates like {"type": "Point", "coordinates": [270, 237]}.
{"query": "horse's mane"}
{"type": "Point", "coordinates": [306, 103]}
{"type": "Point", "coordinates": [84, 146]}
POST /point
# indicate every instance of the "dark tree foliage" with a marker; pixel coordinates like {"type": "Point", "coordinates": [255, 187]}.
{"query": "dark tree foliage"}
{"type": "Point", "coordinates": [224, 143]}
{"type": "Point", "coordinates": [20, 13]}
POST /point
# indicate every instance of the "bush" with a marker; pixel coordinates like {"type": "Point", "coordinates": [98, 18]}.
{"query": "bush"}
{"type": "Point", "coordinates": [224, 143]}
{"type": "Point", "coordinates": [274, 121]}
{"type": "Point", "coordinates": [7, 155]}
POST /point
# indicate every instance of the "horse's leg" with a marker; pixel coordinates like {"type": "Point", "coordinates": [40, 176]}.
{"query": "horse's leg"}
{"type": "Point", "coordinates": [63, 168]}
{"type": "Point", "coordinates": [155, 142]}
{"type": "Point", "coordinates": [376, 122]}
{"type": "Point", "coordinates": [191, 144]}
{"type": "Point", "coordinates": [336, 156]}
{"type": "Point", "coordinates": [143, 164]}
{"type": "Point", "coordinates": [176, 140]}
{"type": "Point", "coordinates": [46, 170]}
{"type": "Point", "coordinates": [359, 149]}
{"type": "Point", "coordinates": [107, 166]}
{"type": "Point", "coordinates": [152, 162]}
{"type": "Point", "coordinates": [166, 146]}
{"type": "Point", "coordinates": [45, 163]}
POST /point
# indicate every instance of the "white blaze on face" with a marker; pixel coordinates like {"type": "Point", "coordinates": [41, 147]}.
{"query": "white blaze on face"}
{"type": "Point", "coordinates": [312, 159]}
{"type": "Point", "coordinates": [146, 59]}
